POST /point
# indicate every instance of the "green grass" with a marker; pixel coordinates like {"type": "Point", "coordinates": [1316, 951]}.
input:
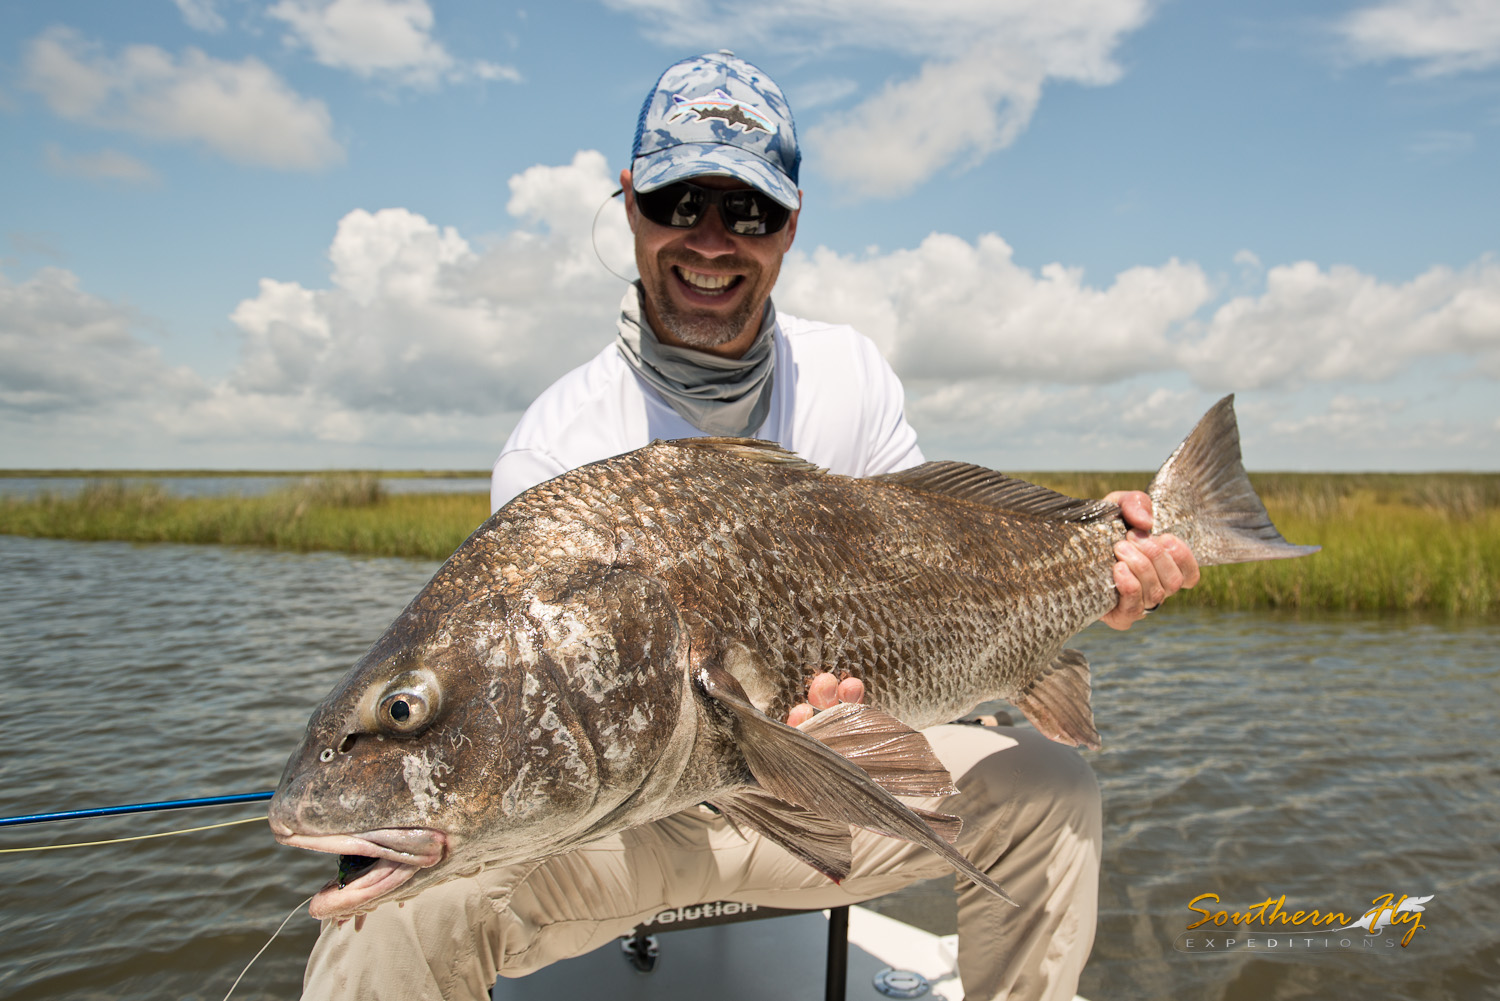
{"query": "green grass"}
{"type": "Point", "coordinates": [169, 474]}
{"type": "Point", "coordinates": [349, 514]}
{"type": "Point", "coordinates": [1391, 542]}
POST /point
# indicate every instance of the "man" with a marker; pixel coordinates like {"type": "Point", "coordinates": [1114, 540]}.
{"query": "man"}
{"type": "Point", "coordinates": [712, 200]}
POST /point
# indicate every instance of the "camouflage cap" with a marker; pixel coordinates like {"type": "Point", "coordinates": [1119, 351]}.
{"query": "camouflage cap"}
{"type": "Point", "coordinates": [717, 115]}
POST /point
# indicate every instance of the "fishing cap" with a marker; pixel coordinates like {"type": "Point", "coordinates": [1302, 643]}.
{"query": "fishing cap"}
{"type": "Point", "coordinates": [715, 114]}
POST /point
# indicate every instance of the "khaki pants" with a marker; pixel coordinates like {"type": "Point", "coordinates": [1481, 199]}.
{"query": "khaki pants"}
{"type": "Point", "coordinates": [1031, 820]}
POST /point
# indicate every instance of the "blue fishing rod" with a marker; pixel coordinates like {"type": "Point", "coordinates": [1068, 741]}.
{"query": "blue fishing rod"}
{"type": "Point", "coordinates": [110, 811]}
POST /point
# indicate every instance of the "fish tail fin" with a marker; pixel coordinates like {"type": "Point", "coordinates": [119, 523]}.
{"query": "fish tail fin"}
{"type": "Point", "coordinates": [1202, 495]}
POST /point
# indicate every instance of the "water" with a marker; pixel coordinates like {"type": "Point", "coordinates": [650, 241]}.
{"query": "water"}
{"type": "Point", "coordinates": [1249, 755]}
{"type": "Point", "coordinates": [23, 487]}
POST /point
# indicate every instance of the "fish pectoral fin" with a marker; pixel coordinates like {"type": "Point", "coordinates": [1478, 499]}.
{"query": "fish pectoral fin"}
{"type": "Point", "coordinates": [1057, 703]}
{"type": "Point", "coordinates": [822, 843]}
{"type": "Point", "coordinates": [794, 767]}
{"type": "Point", "coordinates": [897, 757]}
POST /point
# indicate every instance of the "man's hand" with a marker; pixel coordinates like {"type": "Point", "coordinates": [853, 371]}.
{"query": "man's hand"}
{"type": "Point", "coordinates": [1151, 568]}
{"type": "Point", "coordinates": [824, 692]}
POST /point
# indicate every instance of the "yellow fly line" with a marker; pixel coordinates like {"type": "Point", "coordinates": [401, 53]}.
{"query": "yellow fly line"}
{"type": "Point", "coordinates": [138, 837]}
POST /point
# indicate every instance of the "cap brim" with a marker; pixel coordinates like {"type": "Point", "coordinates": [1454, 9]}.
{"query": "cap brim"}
{"type": "Point", "coordinates": [688, 160]}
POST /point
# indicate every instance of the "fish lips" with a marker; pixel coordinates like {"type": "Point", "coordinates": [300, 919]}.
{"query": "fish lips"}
{"type": "Point", "coordinates": [399, 853]}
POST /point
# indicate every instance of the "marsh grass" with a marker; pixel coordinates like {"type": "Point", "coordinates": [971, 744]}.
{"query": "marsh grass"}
{"type": "Point", "coordinates": [1391, 542]}
{"type": "Point", "coordinates": [346, 513]}
{"type": "Point", "coordinates": [1426, 542]}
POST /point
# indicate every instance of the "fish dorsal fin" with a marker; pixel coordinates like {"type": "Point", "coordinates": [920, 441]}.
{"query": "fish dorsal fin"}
{"type": "Point", "coordinates": [1057, 702]}
{"type": "Point", "coordinates": [1006, 493]}
{"type": "Point", "coordinates": [747, 449]}
{"type": "Point", "coordinates": [796, 768]}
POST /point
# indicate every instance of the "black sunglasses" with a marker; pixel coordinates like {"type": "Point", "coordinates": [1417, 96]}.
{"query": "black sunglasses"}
{"type": "Point", "coordinates": [744, 211]}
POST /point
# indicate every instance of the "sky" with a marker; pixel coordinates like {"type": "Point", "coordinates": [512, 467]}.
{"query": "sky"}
{"type": "Point", "coordinates": [312, 234]}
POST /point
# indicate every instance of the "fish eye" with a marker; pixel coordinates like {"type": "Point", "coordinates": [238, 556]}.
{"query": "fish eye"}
{"type": "Point", "coordinates": [404, 705]}
{"type": "Point", "coordinates": [404, 713]}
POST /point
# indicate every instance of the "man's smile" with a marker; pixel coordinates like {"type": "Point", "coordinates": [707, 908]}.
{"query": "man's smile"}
{"type": "Point", "coordinates": [705, 283]}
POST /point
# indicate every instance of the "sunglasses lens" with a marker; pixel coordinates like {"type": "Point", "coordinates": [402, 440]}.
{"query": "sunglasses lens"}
{"type": "Point", "coordinates": [677, 205]}
{"type": "Point", "coordinates": [745, 212]}
{"type": "Point", "coordinates": [751, 213]}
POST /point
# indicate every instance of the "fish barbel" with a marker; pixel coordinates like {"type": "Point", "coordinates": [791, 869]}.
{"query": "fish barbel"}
{"type": "Point", "coordinates": [622, 642]}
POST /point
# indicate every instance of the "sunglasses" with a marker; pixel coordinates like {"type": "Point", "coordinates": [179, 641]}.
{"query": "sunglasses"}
{"type": "Point", "coordinates": [744, 211]}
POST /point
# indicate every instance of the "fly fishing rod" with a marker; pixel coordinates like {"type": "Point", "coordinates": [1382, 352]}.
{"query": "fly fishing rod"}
{"type": "Point", "coordinates": [110, 811]}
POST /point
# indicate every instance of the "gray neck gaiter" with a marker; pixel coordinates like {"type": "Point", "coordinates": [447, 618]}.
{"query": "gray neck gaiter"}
{"type": "Point", "coordinates": [718, 396]}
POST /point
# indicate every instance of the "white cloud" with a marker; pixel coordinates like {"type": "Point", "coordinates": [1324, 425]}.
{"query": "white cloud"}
{"type": "Point", "coordinates": [1440, 36]}
{"type": "Point", "coordinates": [983, 67]}
{"type": "Point", "coordinates": [420, 350]}
{"type": "Point", "coordinates": [426, 342]}
{"type": "Point", "coordinates": [68, 350]}
{"type": "Point", "coordinates": [389, 38]}
{"type": "Point", "coordinates": [1345, 417]}
{"type": "Point", "coordinates": [202, 15]}
{"type": "Point", "coordinates": [1339, 324]}
{"type": "Point", "coordinates": [242, 111]}
{"type": "Point", "coordinates": [959, 110]}
{"type": "Point", "coordinates": [954, 310]}
{"type": "Point", "coordinates": [109, 164]}
{"type": "Point", "coordinates": [418, 321]}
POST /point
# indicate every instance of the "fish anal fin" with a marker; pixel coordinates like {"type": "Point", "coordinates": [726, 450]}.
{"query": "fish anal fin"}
{"type": "Point", "coordinates": [794, 767]}
{"type": "Point", "coordinates": [822, 843]}
{"type": "Point", "coordinates": [1005, 493]}
{"type": "Point", "coordinates": [897, 757]}
{"type": "Point", "coordinates": [1057, 703]}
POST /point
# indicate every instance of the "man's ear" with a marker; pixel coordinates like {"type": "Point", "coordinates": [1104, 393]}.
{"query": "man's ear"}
{"type": "Point", "coordinates": [791, 224]}
{"type": "Point", "coordinates": [629, 189]}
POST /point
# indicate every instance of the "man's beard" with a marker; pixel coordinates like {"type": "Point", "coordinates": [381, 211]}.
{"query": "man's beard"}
{"type": "Point", "coordinates": [703, 330]}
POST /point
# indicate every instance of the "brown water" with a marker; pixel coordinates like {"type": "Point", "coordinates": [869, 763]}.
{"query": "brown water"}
{"type": "Point", "coordinates": [1331, 760]}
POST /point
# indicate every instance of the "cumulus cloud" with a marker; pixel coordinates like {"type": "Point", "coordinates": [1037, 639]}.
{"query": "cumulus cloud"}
{"type": "Point", "coordinates": [1338, 324]}
{"type": "Point", "coordinates": [242, 111]}
{"type": "Point", "coordinates": [68, 350]}
{"type": "Point", "coordinates": [387, 38]}
{"type": "Point", "coordinates": [422, 337]}
{"type": "Point", "coordinates": [106, 164]}
{"type": "Point", "coordinates": [953, 309]}
{"type": "Point", "coordinates": [416, 320]}
{"type": "Point", "coordinates": [983, 67]}
{"type": "Point", "coordinates": [1439, 36]}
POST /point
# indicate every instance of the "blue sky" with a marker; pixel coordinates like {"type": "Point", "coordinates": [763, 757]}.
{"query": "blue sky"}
{"type": "Point", "coordinates": [336, 233]}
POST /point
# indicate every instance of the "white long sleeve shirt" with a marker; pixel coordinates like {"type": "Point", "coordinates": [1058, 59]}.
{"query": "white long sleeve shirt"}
{"type": "Point", "coordinates": [835, 402]}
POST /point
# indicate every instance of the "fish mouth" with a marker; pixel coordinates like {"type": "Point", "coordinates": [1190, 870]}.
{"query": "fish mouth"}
{"type": "Point", "coordinates": [371, 864]}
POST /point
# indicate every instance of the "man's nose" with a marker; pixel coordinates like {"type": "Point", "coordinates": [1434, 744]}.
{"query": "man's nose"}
{"type": "Point", "coordinates": [709, 238]}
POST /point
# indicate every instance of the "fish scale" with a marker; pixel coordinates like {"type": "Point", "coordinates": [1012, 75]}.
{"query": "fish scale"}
{"type": "Point", "coordinates": [965, 599]}
{"type": "Point", "coordinates": [624, 641]}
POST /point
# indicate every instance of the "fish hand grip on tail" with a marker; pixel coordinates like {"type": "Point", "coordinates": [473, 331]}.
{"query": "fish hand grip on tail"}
{"type": "Point", "coordinates": [795, 768]}
{"type": "Point", "coordinates": [1202, 495]}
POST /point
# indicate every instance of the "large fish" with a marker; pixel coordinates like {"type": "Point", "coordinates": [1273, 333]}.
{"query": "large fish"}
{"type": "Point", "coordinates": [621, 642]}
